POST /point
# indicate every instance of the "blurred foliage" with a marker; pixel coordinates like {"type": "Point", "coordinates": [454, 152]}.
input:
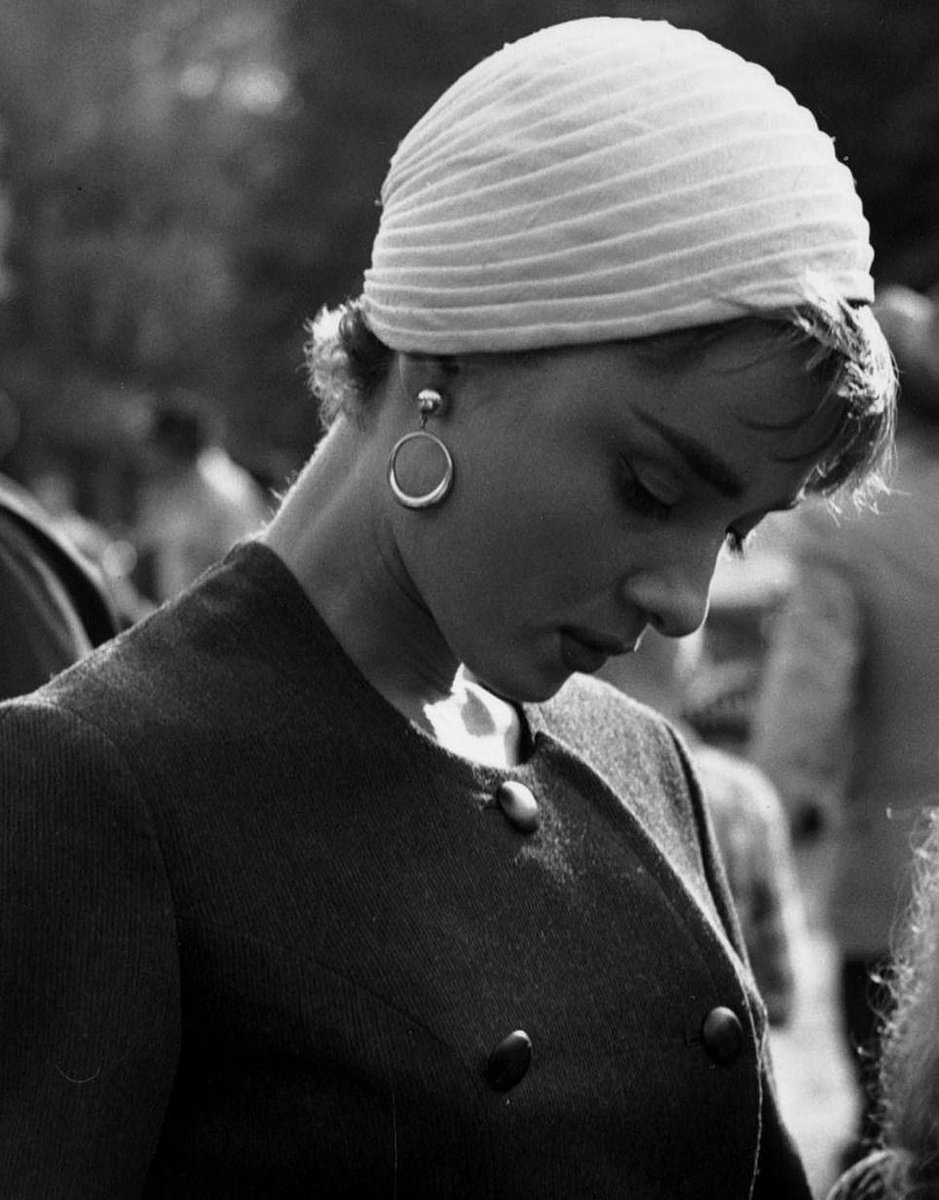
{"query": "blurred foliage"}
{"type": "Point", "coordinates": [133, 151]}
{"type": "Point", "coordinates": [190, 180]}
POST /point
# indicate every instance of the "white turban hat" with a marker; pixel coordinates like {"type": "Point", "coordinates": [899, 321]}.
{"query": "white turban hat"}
{"type": "Point", "coordinates": [608, 178]}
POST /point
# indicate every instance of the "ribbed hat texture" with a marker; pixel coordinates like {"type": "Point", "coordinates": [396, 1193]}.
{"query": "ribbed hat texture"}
{"type": "Point", "coordinates": [608, 178]}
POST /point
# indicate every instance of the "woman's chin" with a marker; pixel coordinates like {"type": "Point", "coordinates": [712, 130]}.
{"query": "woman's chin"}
{"type": "Point", "coordinates": [532, 687]}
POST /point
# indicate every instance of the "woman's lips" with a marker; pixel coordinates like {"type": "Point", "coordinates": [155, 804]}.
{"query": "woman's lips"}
{"type": "Point", "coordinates": [586, 651]}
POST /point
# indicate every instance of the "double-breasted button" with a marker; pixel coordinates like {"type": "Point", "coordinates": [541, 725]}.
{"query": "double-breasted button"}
{"type": "Point", "coordinates": [722, 1035]}
{"type": "Point", "coordinates": [509, 1061]}
{"type": "Point", "coordinates": [519, 805]}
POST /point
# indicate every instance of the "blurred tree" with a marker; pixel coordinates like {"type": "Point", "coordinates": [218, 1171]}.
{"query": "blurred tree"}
{"type": "Point", "coordinates": [130, 161]}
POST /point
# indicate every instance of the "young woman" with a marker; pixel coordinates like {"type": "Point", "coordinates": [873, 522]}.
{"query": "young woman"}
{"type": "Point", "coordinates": [337, 877]}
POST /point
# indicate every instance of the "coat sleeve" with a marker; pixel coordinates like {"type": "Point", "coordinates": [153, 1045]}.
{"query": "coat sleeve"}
{"type": "Point", "coordinates": [89, 990]}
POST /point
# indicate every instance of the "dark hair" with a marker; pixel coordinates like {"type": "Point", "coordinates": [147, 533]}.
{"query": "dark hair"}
{"type": "Point", "coordinates": [345, 361]}
{"type": "Point", "coordinates": [846, 353]}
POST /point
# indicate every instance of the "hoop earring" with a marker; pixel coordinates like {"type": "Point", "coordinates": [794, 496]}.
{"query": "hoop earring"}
{"type": "Point", "coordinates": [429, 402]}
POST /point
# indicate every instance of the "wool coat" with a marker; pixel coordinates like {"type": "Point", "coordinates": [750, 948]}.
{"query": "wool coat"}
{"type": "Point", "coordinates": [262, 937]}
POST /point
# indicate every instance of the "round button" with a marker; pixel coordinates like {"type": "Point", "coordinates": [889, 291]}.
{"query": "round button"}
{"type": "Point", "coordinates": [519, 805]}
{"type": "Point", "coordinates": [722, 1035]}
{"type": "Point", "coordinates": [509, 1062]}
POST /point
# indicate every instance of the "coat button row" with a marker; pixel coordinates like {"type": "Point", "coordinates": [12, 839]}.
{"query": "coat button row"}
{"type": "Point", "coordinates": [518, 805]}
{"type": "Point", "coordinates": [722, 1035]}
{"type": "Point", "coordinates": [509, 1061]}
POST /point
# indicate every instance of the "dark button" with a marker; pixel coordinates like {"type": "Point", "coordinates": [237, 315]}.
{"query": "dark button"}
{"type": "Point", "coordinates": [509, 1062]}
{"type": "Point", "coordinates": [519, 805]}
{"type": "Point", "coordinates": [722, 1035]}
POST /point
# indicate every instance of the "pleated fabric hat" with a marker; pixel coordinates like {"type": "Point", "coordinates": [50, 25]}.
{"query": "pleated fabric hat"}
{"type": "Point", "coordinates": [609, 178]}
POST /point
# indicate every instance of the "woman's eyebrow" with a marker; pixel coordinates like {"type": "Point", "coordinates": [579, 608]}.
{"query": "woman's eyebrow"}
{"type": "Point", "coordinates": [702, 460]}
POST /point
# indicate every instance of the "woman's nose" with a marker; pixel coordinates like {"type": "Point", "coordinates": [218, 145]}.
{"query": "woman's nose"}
{"type": "Point", "coordinates": [674, 598]}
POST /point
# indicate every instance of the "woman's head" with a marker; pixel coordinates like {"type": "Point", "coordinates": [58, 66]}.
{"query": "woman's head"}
{"type": "Point", "coordinates": [615, 179]}
{"type": "Point", "coordinates": [637, 278]}
{"type": "Point", "coordinates": [593, 489]}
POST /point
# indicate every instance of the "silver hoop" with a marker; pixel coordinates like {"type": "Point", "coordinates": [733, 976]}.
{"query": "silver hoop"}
{"type": "Point", "coordinates": [436, 493]}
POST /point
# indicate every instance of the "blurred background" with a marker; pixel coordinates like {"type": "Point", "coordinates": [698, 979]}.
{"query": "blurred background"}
{"type": "Point", "coordinates": [184, 183]}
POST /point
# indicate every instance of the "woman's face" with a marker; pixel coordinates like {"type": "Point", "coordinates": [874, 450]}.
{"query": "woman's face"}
{"type": "Point", "coordinates": [592, 495]}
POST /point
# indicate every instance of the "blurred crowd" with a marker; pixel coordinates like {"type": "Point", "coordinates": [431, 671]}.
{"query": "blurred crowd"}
{"type": "Point", "coordinates": [70, 580]}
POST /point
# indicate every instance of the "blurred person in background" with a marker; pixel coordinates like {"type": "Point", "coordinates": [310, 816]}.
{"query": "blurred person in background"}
{"type": "Point", "coordinates": [112, 553]}
{"type": "Point", "coordinates": [847, 721]}
{"type": "Point", "coordinates": [337, 875]}
{"type": "Point", "coordinates": [904, 1164]}
{"type": "Point", "coordinates": [723, 681]}
{"type": "Point", "coordinates": [54, 606]}
{"type": "Point", "coordinates": [195, 503]}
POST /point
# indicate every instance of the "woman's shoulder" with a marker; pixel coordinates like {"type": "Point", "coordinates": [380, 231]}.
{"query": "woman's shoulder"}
{"type": "Point", "coordinates": [592, 712]}
{"type": "Point", "coordinates": [640, 753]}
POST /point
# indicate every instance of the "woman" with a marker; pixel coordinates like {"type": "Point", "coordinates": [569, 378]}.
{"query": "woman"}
{"type": "Point", "coordinates": [334, 878]}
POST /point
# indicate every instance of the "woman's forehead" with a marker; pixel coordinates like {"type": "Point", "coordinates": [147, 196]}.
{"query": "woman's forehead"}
{"type": "Point", "coordinates": [728, 414]}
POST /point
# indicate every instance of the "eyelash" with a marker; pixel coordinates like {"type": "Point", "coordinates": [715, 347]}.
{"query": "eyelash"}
{"type": "Point", "coordinates": [638, 496]}
{"type": "Point", "coordinates": [647, 503]}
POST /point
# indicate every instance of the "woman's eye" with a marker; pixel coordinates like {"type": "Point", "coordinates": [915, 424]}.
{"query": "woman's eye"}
{"type": "Point", "coordinates": [639, 496]}
{"type": "Point", "coordinates": [736, 543]}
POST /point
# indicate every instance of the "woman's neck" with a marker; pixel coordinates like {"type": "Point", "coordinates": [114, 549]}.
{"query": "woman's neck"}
{"type": "Point", "coordinates": [330, 534]}
{"type": "Point", "coordinates": [476, 724]}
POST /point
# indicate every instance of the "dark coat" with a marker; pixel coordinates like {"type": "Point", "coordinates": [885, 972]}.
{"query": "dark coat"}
{"type": "Point", "coordinates": [263, 938]}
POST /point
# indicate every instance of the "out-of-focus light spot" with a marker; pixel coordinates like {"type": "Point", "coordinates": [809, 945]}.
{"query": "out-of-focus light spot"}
{"type": "Point", "coordinates": [258, 88]}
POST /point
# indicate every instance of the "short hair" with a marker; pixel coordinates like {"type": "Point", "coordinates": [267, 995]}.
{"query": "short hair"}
{"type": "Point", "coordinates": [845, 352]}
